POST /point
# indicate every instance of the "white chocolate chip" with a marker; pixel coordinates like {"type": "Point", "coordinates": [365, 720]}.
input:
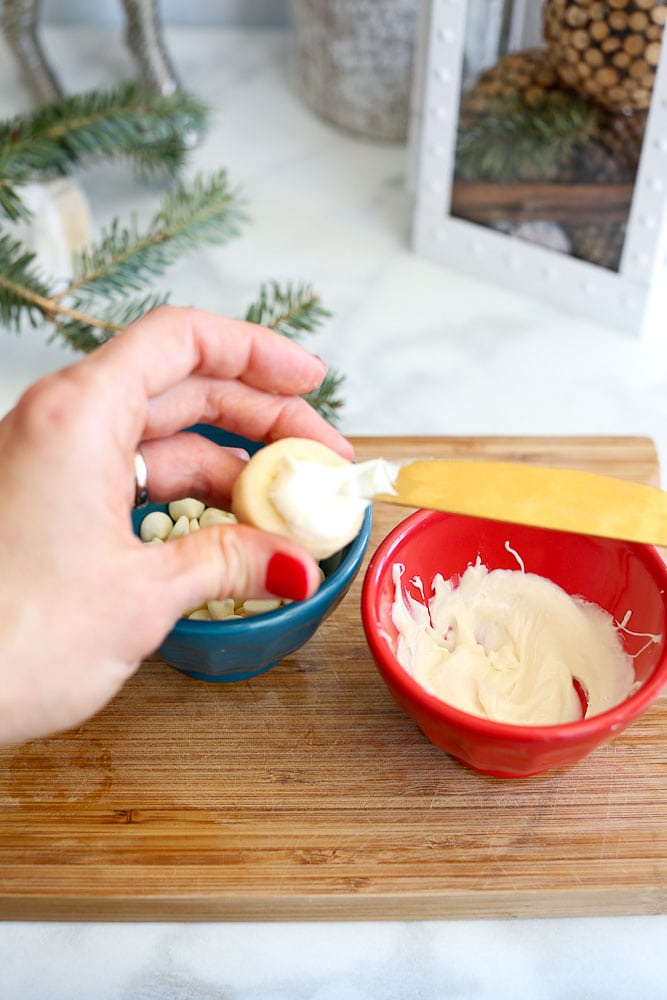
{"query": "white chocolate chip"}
{"type": "Point", "coordinates": [212, 515]}
{"type": "Point", "coordinates": [157, 524]}
{"type": "Point", "coordinates": [200, 607]}
{"type": "Point", "coordinates": [221, 609]}
{"type": "Point", "coordinates": [157, 527]}
{"type": "Point", "coordinates": [261, 607]}
{"type": "Point", "coordinates": [182, 527]}
{"type": "Point", "coordinates": [190, 507]}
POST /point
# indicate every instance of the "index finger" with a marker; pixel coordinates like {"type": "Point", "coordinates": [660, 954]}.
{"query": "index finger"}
{"type": "Point", "coordinates": [172, 342]}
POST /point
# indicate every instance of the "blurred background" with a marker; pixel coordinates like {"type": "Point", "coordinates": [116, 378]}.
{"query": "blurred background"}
{"type": "Point", "coordinates": [223, 13]}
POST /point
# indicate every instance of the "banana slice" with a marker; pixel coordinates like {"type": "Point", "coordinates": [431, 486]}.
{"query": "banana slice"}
{"type": "Point", "coordinates": [312, 528]}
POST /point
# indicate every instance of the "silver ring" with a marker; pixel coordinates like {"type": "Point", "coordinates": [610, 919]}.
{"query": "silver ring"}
{"type": "Point", "coordinates": [140, 480]}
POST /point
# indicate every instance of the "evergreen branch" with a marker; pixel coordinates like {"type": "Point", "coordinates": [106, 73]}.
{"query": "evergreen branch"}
{"type": "Point", "coordinates": [208, 211]}
{"type": "Point", "coordinates": [89, 332]}
{"type": "Point", "coordinates": [22, 290]}
{"type": "Point", "coordinates": [17, 298]}
{"type": "Point", "coordinates": [153, 130]}
{"type": "Point", "coordinates": [79, 334]}
{"type": "Point", "coordinates": [11, 204]}
{"type": "Point", "coordinates": [325, 400]}
{"type": "Point", "coordinates": [291, 310]}
{"type": "Point", "coordinates": [512, 140]}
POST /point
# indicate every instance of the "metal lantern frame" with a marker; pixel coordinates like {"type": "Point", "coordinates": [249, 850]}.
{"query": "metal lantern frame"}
{"type": "Point", "coordinates": [633, 299]}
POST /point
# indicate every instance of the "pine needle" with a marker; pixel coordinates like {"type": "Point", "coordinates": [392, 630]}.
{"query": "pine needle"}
{"type": "Point", "coordinates": [11, 205]}
{"type": "Point", "coordinates": [22, 289]}
{"type": "Point", "coordinates": [123, 121]}
{"type": "Point", "coordinates": [95, 304]}
{"type": "Point", "coordinates": [325, 398]}
{"type": "Point", "coordinates": [153, 131]}
{"type": "Point", "coordinates": [86, 336]}
{"type": "Point", "coordinates": [513, 141]}
{"type": "Point", "coordinates": [293, 310]}
{"type": "Point", "coordinates": [206, 211]}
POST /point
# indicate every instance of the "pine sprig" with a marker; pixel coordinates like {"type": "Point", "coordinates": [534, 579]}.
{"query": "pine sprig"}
{"type": "Point", "coordinates": [153, 131]}
{"type": "Point", "coordinates": [513, 141]}
{"type": "Point", "coordinates": [94, 305]}
{"type": "Point", "coordinates": [326, 399]}
{"type": "Point", "coordinates": [111, 318]}
{"type": "Point", "coordinates": [206, 211]}
{"type": "Point", "coordinates": [293, 310]}
{"type": "Point", "coordinates": [23, 292]}
{"type": "Point", "coordinates": [11, 205]}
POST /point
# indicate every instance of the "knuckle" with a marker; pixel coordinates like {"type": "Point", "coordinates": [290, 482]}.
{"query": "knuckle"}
{"type": "Point", "coordinates": [226, 557]}
{"type": "Point", "coordinates": [232, 562]}
{"type": "Point", "coordinates": [57, 401]}
{"type": "Point", "coordinates": [44, 407]}
{"type": "Point", "coordinates": [288, 413]}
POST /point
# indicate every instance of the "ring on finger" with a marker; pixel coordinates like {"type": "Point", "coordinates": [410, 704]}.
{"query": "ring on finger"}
{"type": "Point", "coordinates": [140, 480]}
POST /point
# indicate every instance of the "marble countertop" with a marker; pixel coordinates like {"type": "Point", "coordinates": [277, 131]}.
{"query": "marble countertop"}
{"type": "Point", "coordinates": [424, 351]}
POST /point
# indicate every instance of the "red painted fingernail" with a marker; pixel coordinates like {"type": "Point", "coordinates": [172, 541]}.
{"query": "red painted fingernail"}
{"type": "Point", "coordinates": [286, 577]}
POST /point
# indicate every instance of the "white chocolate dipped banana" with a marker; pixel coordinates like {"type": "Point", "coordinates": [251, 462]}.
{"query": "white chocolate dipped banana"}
{"type": "Point", "coordinates": [300, 489]}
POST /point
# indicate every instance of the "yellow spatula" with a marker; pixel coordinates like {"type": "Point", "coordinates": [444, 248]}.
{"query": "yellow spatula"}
{"type": "Point", "coordinates": [565, 499]}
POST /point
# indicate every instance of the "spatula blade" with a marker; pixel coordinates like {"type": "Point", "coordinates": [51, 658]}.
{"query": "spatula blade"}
{"type": "Point", "coordinates": [562, 499]}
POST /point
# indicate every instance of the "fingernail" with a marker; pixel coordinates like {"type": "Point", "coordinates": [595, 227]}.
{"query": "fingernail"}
{"type": "Point", "coordinates": [323, 366]}
{"type": "Point", "coordinates": [286, 577]}
{"type": "Point", "coordinates": [240, 453]}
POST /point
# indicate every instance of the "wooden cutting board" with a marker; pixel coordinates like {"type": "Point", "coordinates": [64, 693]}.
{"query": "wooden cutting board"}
{"type": "Point", "coordinates": [306, 794]}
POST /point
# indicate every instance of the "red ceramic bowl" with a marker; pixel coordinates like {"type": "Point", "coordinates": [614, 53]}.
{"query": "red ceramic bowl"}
{"type": "Point", "coordinates": [617, 576]}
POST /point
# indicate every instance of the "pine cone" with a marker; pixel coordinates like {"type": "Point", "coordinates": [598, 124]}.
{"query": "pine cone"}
{"type": "Point", "coordinates": [525, 88]}
{"type": "Point", "coordinates": [602, 147]}
{"type": "Point", "coordinates": [527, 74]}
{"type": "Point", "coordinates": [609, 51]}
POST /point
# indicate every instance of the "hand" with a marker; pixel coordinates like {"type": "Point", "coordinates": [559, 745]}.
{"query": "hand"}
{"type": "Point", "coordinates": [82, 600]}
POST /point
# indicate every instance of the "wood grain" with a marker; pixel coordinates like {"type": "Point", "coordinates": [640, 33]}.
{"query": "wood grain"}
{"type": "Point", "coordinates": [486, 203]}
{"type": "Point", "coordinates": [306, 794]}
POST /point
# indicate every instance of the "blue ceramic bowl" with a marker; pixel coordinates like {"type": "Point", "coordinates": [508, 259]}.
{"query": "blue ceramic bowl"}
{"type": "Point", "coordinates": [238, 649]}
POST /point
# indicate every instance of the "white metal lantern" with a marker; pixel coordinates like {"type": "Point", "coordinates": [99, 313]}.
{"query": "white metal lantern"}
{"type": "Point", "coordinates": [632, 295]}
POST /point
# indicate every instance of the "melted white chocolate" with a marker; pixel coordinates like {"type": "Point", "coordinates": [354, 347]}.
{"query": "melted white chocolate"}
{"type": "Point", "coordinates": [507, 645]}
{"type": "Point", "coordinates": [323, 506]}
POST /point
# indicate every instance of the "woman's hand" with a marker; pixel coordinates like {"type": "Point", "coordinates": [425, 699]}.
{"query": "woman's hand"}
{"type": "Point", "coordinates": [82, 601]}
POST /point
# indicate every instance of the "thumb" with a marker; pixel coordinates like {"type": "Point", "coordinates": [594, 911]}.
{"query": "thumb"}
{"type": "Point", "coordinates": [230, 561]}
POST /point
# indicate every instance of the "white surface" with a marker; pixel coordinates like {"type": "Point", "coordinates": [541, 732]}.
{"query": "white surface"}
{"type": "Point", "coordinates": [426, 351]}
